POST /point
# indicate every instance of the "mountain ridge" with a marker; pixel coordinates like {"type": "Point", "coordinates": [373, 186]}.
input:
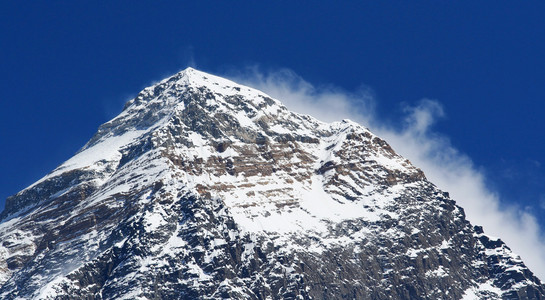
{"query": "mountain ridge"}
{"type": "Point", "coordinates": [203, 188]}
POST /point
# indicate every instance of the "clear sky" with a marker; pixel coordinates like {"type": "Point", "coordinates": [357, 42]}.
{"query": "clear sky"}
{"type": "Point", "coordinates": [66, 68]}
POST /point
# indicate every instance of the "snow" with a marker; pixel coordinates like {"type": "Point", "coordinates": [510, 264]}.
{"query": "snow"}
{"type": "Point", "coordinates": [320, 204]}
{"type": "Point", "coordinates": [295, 201]}
{"type": "Point", "coordinates": [134, 293]}
{"type": "Point", "coordinates": [220, 85]}
{"type": "Point", "coordinates": [445, 244]}
{"type": "Point", "coordinates": [97, 156]}
{"type": "Point", "coordinates": [281, 207]}
{"type": "Point", "coordinates": [48, 291]}
{"type": "Point", "coordinates": [244, 121]}
{"type": "Point", "coordinates": [201, 148]}
{"type": "Point", "coordinates": [439, 272]}
{"type": "Point", "coordinates": [195, 269]}
{"type": "Point", "coordinates": [153, 221]}
{"type": "Point", "coordinates": [486, 288]}
{"type": "Point", "coordinates": [392, 164]}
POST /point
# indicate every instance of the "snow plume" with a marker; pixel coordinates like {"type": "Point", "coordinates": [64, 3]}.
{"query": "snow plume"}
{"type": "Point", "coordinates": [443, 165]}
{"type": "Point", "coordinates": [326, 103]}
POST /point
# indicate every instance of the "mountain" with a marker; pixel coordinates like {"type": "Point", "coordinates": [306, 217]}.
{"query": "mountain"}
{"type": "Point", "coordinates": [206, 189]}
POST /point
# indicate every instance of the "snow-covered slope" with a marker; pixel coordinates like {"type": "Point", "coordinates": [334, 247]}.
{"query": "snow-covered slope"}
{"type": "Point", "coordinates": [203, 188]}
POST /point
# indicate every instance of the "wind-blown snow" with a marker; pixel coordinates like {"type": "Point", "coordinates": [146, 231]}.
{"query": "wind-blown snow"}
{"type": "Point", "coordinates": [282, 177]}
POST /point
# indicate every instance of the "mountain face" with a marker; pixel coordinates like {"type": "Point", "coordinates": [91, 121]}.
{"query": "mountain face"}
{"type": "Point", "coordinates": [205, 189]}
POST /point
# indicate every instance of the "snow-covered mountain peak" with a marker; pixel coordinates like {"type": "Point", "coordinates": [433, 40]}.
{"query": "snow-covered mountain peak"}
{"type": "Point", "coordinates": [196, 78]}
{"type": "Point", "coordinates": [202, 186]}
{"type": "Point", "coordinates": [190, 78]}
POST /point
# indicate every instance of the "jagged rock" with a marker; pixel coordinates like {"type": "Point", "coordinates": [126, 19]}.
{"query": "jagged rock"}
{"type": "Point", "coordinates": [204, 189]}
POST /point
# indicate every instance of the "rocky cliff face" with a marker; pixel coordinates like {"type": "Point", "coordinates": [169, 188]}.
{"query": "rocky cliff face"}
{"type": "Point", "coordinates": [204, 189]}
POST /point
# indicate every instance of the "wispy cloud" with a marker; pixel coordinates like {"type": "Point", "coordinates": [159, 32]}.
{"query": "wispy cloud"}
{"type": "Point", "coordinates": [326, 103]}
{"type": "Point", "coordinates": [415, 139]}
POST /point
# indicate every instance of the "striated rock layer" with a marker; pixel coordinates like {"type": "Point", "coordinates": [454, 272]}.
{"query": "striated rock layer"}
{"type": "Point", "coordinates": [205, 189]}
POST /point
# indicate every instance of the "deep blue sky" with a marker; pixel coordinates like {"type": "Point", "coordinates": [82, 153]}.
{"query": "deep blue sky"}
{"type": "Point", "coordinates": [65, 68]}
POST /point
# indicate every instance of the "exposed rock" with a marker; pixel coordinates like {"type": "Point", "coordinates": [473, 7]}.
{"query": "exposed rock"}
{"type": "Point", "coordinates": [205, 189]}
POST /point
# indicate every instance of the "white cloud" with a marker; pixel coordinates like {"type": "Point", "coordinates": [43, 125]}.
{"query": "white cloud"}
{"type": "Point", "coordinates": [327, 103]}
{"type": "Point", "coordinates": [444, 165]}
